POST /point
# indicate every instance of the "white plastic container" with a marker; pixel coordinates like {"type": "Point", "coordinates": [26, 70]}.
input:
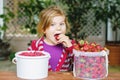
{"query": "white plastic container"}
{"type": "Point", "coordinates": [31, 67]}
{"type": "Point", "coordinates": [90, 65]}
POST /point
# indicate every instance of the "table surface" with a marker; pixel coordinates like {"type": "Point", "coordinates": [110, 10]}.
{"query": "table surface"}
{"type": "Point", "coordinates": [7, 75]}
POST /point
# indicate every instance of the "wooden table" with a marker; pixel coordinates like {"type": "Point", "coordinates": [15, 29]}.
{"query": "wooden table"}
{"type": "Point", "coordinates": [4, 75]}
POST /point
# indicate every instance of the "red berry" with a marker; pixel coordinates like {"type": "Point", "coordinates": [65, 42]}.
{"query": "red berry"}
{"type": "Point", "coordinates": [56, 36]}
{"type": "Point", "coordinates": [88, 47]}
{"type": "Point", "coordinates": [32, 54]}
{"type": "Point", "coordinates": [76, 46]}
{"type": "Point", "coordinates": [85, 48]}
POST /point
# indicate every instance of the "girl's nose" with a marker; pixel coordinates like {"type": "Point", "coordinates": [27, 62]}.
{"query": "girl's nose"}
{"type": "Point", "coordinates": [58, 27]}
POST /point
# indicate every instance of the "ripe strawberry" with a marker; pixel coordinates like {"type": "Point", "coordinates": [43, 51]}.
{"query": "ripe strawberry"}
{"type": "Point", "coordinates": [85, 48]}
{"type": "Point", "coordinates": [88, 47]}
{"type": "Point", "coordinates": [76, 46]}
{"type": "Point", "coordinates": [56, 36]}
{"type": "Point", "coordinates": [94, 50]}
{"type": "Point", "coordinates": [98, 47]}
{"type": "Point", "coordinates": [93, 44]}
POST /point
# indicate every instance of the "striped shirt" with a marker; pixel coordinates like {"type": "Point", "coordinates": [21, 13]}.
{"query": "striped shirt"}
{"type": "Point", "coordinates": [65, 58]}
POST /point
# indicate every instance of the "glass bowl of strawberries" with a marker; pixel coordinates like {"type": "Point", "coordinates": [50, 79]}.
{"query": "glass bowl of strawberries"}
{"type": "Point", "coordinates": [90, 60]}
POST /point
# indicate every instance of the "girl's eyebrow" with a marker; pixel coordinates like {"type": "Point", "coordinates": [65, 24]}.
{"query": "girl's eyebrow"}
{"type": "Point", "coordinates": [60, 22]}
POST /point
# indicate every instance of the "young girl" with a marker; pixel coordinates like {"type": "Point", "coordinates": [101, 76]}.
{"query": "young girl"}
{"type": "Point", "coordinates": [52, 26]}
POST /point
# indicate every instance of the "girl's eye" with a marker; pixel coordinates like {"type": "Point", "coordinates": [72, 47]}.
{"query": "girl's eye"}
{"type": "Point", "coordinates": [62, 24]}
{"type": "Point", "coordinates": [52, 24]}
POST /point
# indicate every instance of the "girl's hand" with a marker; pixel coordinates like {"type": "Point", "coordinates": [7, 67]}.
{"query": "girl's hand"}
{"type": "Point", "coordinates": [64, 40]}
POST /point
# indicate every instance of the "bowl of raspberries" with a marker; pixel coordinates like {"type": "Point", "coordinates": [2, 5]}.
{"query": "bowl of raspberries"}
{"type": "Point", "coordinates": [31, 65]}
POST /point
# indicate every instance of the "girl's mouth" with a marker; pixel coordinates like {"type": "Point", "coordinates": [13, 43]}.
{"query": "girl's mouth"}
{"type": "Point", "coordinates": [56, 36]}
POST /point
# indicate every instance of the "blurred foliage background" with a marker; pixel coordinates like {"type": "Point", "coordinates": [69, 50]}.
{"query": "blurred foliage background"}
{"type": "Point", "coordinates": [25, 17]}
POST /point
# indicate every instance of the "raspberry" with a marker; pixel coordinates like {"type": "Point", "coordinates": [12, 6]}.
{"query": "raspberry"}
{"type": "Point", "coordinates": [32, 54]}
{"type": "Point", "coordinates": [56, 36]}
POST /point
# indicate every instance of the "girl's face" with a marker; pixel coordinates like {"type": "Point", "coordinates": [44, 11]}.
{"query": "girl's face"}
{"type": "Point", "coordinates": [57, 26]}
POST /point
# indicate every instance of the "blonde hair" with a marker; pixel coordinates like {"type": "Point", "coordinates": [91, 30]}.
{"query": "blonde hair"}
{"type": "Point", "coordinates": [46, 18]}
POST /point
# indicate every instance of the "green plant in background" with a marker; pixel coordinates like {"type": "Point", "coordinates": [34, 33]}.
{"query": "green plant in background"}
{"type": "Point", "coordinates": [5, 48]}
{"type": "Point", "coordinates": [76, 10]}
{"type": "Point", "coordinates": [7, 17]}
{"type": "Point", "coordinates": [108, 11]}
{"type": "Point", "coordinates": [12, 55]}
{"type": "Point", "coordinates": [77, 16]}
{"type": "Point", "coordinates": [31, 10]}
{"type": "Point", "coordinates": [103, 10]}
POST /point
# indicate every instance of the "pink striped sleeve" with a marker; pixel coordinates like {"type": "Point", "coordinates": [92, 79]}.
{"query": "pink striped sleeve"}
{"type": "Point", "coordinates": [33, 45]}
